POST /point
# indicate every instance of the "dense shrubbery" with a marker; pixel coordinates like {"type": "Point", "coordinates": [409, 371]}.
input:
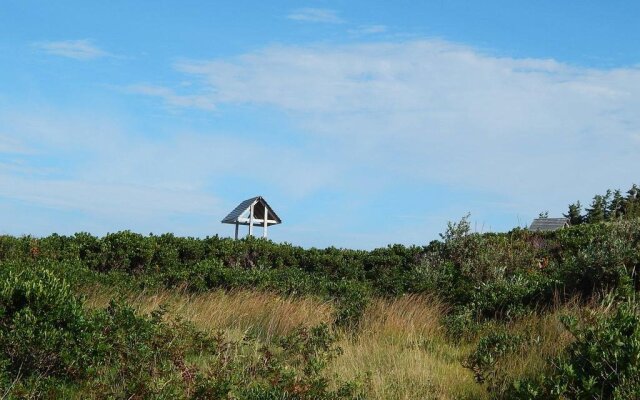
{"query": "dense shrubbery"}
{"type": "Point", "coordinates": [483, 276]}
{"type": "Point", "coordinates": [53, 348]}
{"type": "Point", "coordinates": [603, 362]}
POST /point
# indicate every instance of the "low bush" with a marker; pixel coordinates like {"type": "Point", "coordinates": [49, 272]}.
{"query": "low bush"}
{"type": "Point", "coordinates": [604, 360]}
{"type": "Point", "coordinates": [489, 350]}
{"type": "Point", "coordinates": [53, 348]}
{"type": "Point", "coordinates": [601, 362]}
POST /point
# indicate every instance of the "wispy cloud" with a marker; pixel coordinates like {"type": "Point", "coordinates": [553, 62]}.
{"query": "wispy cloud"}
{"type": "Point", "coordinates": [368, 30]}
{"type": "Point", "coordinates": [76, 49]}
{"type": "Point", "coordinates": [432, 111]}
{"type": "Point", "coordinates": [10, 145]}
{"type": "Point", "coordinates": [107, 199]}
{"type": "Point", "coordinates": [91, 164]}
{"type": "Point", "coordinates": [173, 99]}
{"type": "Point", "coordinates": [321, 15]}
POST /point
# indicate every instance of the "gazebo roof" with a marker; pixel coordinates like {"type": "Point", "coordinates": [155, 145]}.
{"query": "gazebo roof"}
{"type": "Point", "coordinates": [237, 216]}
{"type": "Point", "coordinates": [548, 224]}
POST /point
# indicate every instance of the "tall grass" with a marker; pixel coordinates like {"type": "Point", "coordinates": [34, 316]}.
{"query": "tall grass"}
{"type": "Point", "coordinates": [401, 350]}
{"type": "Point", "coordinates": [237, 312]}
{"type": "Point", "coordinates": [546, 338]}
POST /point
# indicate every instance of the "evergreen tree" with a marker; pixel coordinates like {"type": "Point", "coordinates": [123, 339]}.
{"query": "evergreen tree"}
{"type": "Point", "coordinates": [632, 202]}
{"type": "Point", "coordinates": [575, 213]}
{"type": "Point", "coordinates": [598, 210]}
{"type": "Point", "coordinates": [615, 208]}
{"type": "Point", "coordinates": [610, 206]}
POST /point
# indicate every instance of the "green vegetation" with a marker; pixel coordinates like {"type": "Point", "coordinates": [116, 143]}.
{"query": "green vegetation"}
{"type": "Point", "coordinates": [512, 315]}
{"type": "Point", "coordinates": [54, 348]}
{"type": "Point", "coordinates": [611, 206]}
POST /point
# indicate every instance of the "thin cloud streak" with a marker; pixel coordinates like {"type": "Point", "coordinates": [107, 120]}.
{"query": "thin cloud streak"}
{"type": "Point", "coordinates": [113, 171]}
{"type": "Point", "coordinates": [364, 30]}
{"type": "Point", "coordinates": [173, 99]}
{"type": "Point", "coordinates": [82, 50]}
{"type": "Point", "coordinates": [107, 199]}
{"type": "Point", "coordinates": [320, 15]}
{"type": "Point", "coordinates": [9, 145]}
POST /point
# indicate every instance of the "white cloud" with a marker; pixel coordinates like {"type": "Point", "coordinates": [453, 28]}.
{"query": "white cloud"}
{"type": "Point", "coordinates": [173, 99]}
{"type": "Point", "coordinates": [321, 15]}
{"type": "Point", "coordinates": [92, 164]}
{"type": "Point", "coordinates": [107, 199]}
{"type": "Point", "coordinates": [82, 164]}
{"type": "Point", "coordinates": [9, 145]}
{"type": "Point", "coordinates": [538, 132]}
{"type": "Point", "coordinates": [76, 49]}
{"type": "Point", "coordinates": [368, 30]}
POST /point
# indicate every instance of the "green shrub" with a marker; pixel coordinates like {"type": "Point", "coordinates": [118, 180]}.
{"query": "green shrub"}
{"type": "Point", "coordinates": [604, 360]}
{"type": "Point", "coordinates": [352, 299]}
{"type": "Point", "coordinates": [600, 258]}
{"type": "Point", "coordinates": [490, 348]}
{"type": "Point", "coordinates": [291, 368]}
{"type": "Point", "coordinates": [43, 327]}
{"type": "Point", "coordinates": [51, 347]}
{"type": "Point", "coordinates": [127, 251]}
{"type": "Point", "coordinates": [511, 297]}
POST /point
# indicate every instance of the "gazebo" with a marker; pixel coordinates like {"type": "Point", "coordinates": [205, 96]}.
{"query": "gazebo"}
{"type": "Point", "coordinates": [253, 212]}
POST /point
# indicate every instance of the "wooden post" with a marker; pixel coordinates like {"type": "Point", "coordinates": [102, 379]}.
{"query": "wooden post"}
{"type": "Point", "coordinates": [266, 217]}
{"type": "Point", "coordinates": [237, 225]}
{"type": "Point", "coordinates": [251, 220]}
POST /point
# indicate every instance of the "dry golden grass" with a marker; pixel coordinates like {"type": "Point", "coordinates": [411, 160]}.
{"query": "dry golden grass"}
{"type": "Point", "coordinates": [400, 348]}
{"type": "Point", "coordinates": [547, 339]}
{"type": "Point", "coordinates": [238, 312]}
{"type": "Point", "coordinates": [550, 339]}
{"type": "Point", "coordinates": [402, 351]}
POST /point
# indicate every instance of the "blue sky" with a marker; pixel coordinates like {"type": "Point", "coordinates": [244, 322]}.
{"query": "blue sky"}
{"type": "Point", "coordinates": [362, 123]}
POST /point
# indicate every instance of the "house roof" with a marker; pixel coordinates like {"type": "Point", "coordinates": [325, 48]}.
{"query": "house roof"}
{"type": "Point", "coordinates": [548, 224]}
{"type": "Point", "coordinates": [259, 207]}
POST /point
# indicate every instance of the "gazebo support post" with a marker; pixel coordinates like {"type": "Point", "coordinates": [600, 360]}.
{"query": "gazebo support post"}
{"type": "Point", "coordinates": [237, 226]}
{"type": "Point", "coordinates": [251, 220]}
{"type": "Point", "coordinates": [264, 226]}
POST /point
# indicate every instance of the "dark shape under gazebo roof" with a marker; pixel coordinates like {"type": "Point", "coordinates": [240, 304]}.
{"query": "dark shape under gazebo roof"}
{"type": "Point", "coordinates": [549, 224]}
{"type": "Point", "coordinates": [253, 212]}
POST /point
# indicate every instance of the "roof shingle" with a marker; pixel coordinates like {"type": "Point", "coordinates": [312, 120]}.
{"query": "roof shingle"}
{"type": "Point", "coordinates": [548, 224]}
{"type": "Point", "coordinates": [237, 212]}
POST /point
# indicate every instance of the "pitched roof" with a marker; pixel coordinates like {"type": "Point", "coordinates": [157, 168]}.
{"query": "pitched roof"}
{"type": "Point", "coordinates": [259, 210]}
{"type": "Point", "coordinates": [548, 224]}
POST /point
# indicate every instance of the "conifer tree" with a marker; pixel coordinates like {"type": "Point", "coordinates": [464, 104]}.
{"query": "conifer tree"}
{"type": "Point", "coordinates": [598, 210]}
{"type": "Point", "coordinates": [575, 213]}
{"type": "Point", "coordinates": [615, 208]}
{"type": "Point", "coordinates": [632, 202]}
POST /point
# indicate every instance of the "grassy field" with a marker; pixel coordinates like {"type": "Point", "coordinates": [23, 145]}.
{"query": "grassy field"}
{"type": "Point", "coordinates": [400, 350]}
